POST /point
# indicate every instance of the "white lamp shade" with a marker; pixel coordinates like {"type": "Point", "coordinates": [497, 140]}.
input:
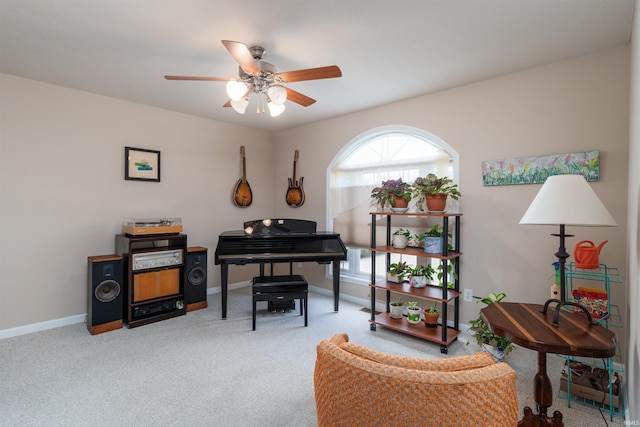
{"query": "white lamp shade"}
{"type": "Point", "coordinates": [277, 94]}
{"type": "Point", "coordinates": [568, 200]}
{"type": "Point", "coordinates": [236, 90]}
{"type": "Point", "coordinates": [275, 110]}
{"type": "Point", "coordinates": [240, 105]}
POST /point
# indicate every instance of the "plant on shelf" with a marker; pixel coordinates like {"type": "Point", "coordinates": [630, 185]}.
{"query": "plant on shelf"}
{"type": "Point", "coordinates": [423, 188]}
{"type": "Point", "coordinates": [396, 307]}
{"type": "Point", "coordinates": [421, 275]}
{"type": "Point", "coordinates": [400, 238]}
{"type": "Point", "coordinates": [494, 344]}
{"type": "Point", "coordinates": [431, 315]}
{"type": "Point", "coordinates": [413, 312]}
{"type": "Point", "coordinates": [433, 239]}
{"type": "Point", "coordinates": [393, 192]}
{"type": "Point", "coordinates": [398, 272]}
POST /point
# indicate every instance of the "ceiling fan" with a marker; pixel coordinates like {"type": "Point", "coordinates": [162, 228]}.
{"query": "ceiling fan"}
{"type": "Point", "coordinates": [261, 77]}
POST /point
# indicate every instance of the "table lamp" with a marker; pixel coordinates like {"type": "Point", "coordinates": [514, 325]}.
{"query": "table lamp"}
{"type": "Point", "coordinates": [566, 200]}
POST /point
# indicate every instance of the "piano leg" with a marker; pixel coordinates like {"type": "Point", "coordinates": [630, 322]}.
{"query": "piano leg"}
{"type": "Point", "coordinates": [336, 284]}
{"type": "Point", "coordinates": [224, 277]}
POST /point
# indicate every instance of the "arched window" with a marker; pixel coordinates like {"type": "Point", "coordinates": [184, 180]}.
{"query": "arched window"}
{"type": "Point", "coordinates": [377, 155]}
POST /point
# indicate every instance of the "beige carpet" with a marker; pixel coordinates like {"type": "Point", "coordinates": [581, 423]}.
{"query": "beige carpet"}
{"type": "Point", "coordinates": [199, 370]}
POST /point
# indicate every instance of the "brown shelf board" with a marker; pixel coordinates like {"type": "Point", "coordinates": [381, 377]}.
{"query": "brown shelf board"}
{"type": "Point", "coordinates": [428, 292]}
{"type": "Point", "coordinates": [419, 330]}
{"type": "Point", "coordinates": [419, 252]}
{"type": "Point", "coordinates": [450, 214]}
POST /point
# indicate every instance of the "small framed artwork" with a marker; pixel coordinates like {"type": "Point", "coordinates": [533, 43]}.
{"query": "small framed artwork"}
{"type": "Point", "coordinates": [141, 164]}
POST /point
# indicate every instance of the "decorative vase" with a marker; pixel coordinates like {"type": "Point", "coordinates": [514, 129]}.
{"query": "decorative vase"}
{"type": "Point", "coordinates": [395, 311]}
{"type": "Point", "coordinates": [418, 281]}
{"type": "Point", "coordinates": [413, 315]}
{"type": "Point", "coordinates": [431, 319]}
{"type": "Point", "coordinates": [433, 245]}
{"type": "Point", "coordinates": [399, 241]}
{"type": "Point", "coordinates": [436, 202]}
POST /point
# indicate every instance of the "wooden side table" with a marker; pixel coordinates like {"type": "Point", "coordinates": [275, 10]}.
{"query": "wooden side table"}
{"type": "Point", "coordinates": [527, 326]}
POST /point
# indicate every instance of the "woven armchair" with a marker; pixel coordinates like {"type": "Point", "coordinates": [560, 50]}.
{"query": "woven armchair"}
{"type": "Point", "coordinates": [358, 386]}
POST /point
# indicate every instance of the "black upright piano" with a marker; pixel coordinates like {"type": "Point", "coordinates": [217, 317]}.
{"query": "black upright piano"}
{"type": "Point", "coordinates": [267, 241]}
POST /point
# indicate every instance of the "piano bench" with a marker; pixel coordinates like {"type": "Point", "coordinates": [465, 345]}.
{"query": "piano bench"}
{"type": "Point", "coordinates": [276, 289]}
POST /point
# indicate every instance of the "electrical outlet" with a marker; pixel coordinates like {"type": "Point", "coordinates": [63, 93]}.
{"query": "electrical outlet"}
{"type": "Point", "coordinates": [467, 295]}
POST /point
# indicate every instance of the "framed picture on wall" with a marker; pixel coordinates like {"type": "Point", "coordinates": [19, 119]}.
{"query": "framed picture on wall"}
{"type": "Point", "coordinates": [141, 164]}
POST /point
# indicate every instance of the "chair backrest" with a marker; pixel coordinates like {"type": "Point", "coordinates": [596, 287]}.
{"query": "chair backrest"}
{"type": "Point", "coordinates": [358, 386]}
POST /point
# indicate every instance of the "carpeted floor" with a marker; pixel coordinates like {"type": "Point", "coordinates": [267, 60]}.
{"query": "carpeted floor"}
{"type": "Point", "coordinates": [200, 370]}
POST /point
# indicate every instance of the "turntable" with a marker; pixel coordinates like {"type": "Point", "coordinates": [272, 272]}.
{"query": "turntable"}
{"type": "Point", "coordinates": [151, 226]}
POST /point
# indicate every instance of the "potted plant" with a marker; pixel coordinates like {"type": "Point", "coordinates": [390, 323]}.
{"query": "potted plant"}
{"type": "Point", "coordinates": [431, 315]}
{"type": "Point", "coordinates": [413, 312]}
{"type": "Point", "coordinates": [400, 238]}
{"type": "Point", "coordinates": [493, 344]}
{"type": "Point", "coordinates": [421, 275]}
{"type": "Point", "coordinates": [433, 240]}
{"type": "Point", "coordinates": [435, 191]}
{"type": "Point", "coordinates": [393, 192]}
{"type": "Point", "coordinates": [398, 272]}
{"type": "Point", "coordinates": [396, 308]}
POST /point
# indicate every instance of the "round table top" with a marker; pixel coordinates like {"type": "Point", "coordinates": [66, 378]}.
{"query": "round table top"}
{"type": "Point", "coordinates": [526, 325]}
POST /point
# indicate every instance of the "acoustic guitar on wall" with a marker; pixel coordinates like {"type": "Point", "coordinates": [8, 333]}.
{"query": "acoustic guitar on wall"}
{"type": "Point", "coordinates": [242, 195]}
{"type": "Point", "coordinates": [295, 193]}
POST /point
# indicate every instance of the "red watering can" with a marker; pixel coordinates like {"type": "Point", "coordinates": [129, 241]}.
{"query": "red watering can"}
{"type": "Point", "coordinates": [586, 254]}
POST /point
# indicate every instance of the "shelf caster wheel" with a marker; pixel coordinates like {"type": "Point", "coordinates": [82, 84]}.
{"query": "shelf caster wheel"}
{"type": "Point", "coordinates": [372, 326]}
{"type": "Point", "coordinates": [444, 349]}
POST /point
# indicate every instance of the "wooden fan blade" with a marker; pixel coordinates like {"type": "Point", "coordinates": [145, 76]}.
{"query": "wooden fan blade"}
{"type": "Point", "coordinates": [243, 57]}
{"type": "Point", "coordinates": [299, 98]}
{"type": "Point", "coordinates": [329, 72]}
{"type": "Point", "coordinates": [200, 78]}
{"type": "Point", "coordinates": [228, 103]}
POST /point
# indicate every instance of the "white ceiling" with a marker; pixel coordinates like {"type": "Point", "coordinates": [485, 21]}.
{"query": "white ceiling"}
{"type": "Point", "coordinates": [387, 50]}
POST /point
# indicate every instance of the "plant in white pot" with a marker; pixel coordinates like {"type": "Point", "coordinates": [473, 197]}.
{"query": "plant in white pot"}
{"type": "Point", "coordinates": [421, 275]}
{"type": "Point", "coordinates": [493, 344]}
{"type": "Point", "coordinates": [400, 238]}
{"type": "Point", "coordinates": [413, 312]}
{"type": "Point", "coordinates": [396, 308]}
{"type": "Point", "coordinates": [398, 272]}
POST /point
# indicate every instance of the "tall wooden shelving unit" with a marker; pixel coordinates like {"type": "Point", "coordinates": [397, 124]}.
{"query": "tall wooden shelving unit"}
{"type": "Point", "coordinates": [443, 334]}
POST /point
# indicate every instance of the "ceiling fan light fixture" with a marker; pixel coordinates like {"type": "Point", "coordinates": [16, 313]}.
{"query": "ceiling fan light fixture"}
{"type": "Point", "coordinates": [274, 109]}
{"type": "Point", "coordinates": [236, 90]}
{"type": "Point", "coordinates": [240, 105]}
{"type": "Point", "coordinates": [277, 94]}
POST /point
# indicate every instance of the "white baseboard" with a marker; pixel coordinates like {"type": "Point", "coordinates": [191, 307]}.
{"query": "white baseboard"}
{"type": "Point", "coordinates": [42, 326]}
{"type": "Point", "coordinates": [80, 318]}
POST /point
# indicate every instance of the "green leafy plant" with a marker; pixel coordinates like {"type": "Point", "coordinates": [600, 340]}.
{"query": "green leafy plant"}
{"type": "Point", "coordinates": [481, 331]}
{"type": "Point", "coordinates": [402, 232]}
{"type": "Point", "coordinates": [412, 304]}
{"type": "Point", "coordinates": [434, 231]}
{"type": "Point", "coordinates": [400, 269]}
{"type": "Point", "coordinates": [386, 193]}
{"type": "Point", "coordinates": [433, 309]}
{"type": "Point", "coordinates": [423, 270]}
{"type": "Point", "coordinates": [397, 301]}
{"type": "Point", "coordinates": [431, 184]}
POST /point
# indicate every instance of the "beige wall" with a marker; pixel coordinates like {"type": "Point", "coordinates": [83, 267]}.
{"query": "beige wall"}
{"type": "Point", "coordinates": [63, 193]}
{"type": "Point", "coordinates": [575, 105]}
{"type": "Point", "coordinates": [633, 300]}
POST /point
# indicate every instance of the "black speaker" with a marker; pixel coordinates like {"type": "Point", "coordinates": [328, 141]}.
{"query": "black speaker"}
{"type": "Point", "coordinates": [104, 294]}
{"type": "Point", "coordinates": [195, 283]}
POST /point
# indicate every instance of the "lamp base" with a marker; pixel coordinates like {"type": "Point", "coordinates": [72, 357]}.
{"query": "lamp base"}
{"type": "Point", "coordinates": [562, 303]}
